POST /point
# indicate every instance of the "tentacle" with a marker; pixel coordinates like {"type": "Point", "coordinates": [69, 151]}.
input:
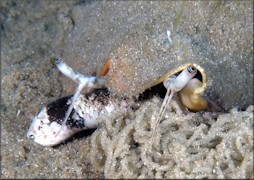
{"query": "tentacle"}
{"type": "Point", "coordinates": [163, 108]}
{"type": "Point", "coordinates": [173, 85]}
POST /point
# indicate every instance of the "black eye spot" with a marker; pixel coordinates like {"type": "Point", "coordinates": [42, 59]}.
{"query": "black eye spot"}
{"type": "Point", "coordinates": [58, 61]}
{"type": "Point", "coordinates": [31, 136]}
{"type": "Point", "coordinates": [191, 69]}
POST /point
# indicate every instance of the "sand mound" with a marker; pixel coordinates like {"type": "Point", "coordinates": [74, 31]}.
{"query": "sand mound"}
{"type": "Point", "coordinates": [187, 145]}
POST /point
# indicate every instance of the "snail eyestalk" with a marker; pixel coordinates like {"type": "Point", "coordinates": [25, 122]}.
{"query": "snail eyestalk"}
{"type": "Point", "coordinates": [82, 80]}
{"type": "Point", "coordinates": [89, 81]}
{"type": "Point", "coordinates": [106, 67]}
{"type": "Point", "coordinates": [173, 85]}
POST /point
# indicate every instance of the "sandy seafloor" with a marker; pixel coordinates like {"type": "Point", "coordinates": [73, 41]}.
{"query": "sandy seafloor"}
{"type": "Point", "coordinates": [218, 35]}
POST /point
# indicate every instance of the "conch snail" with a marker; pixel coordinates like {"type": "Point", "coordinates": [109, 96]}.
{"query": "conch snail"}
{"type": "Point", "coordinates": [66, 116]}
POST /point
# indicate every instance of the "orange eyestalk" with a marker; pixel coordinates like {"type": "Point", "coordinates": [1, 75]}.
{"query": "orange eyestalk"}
{"type": "Point", "coordinates": [106, 67]}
